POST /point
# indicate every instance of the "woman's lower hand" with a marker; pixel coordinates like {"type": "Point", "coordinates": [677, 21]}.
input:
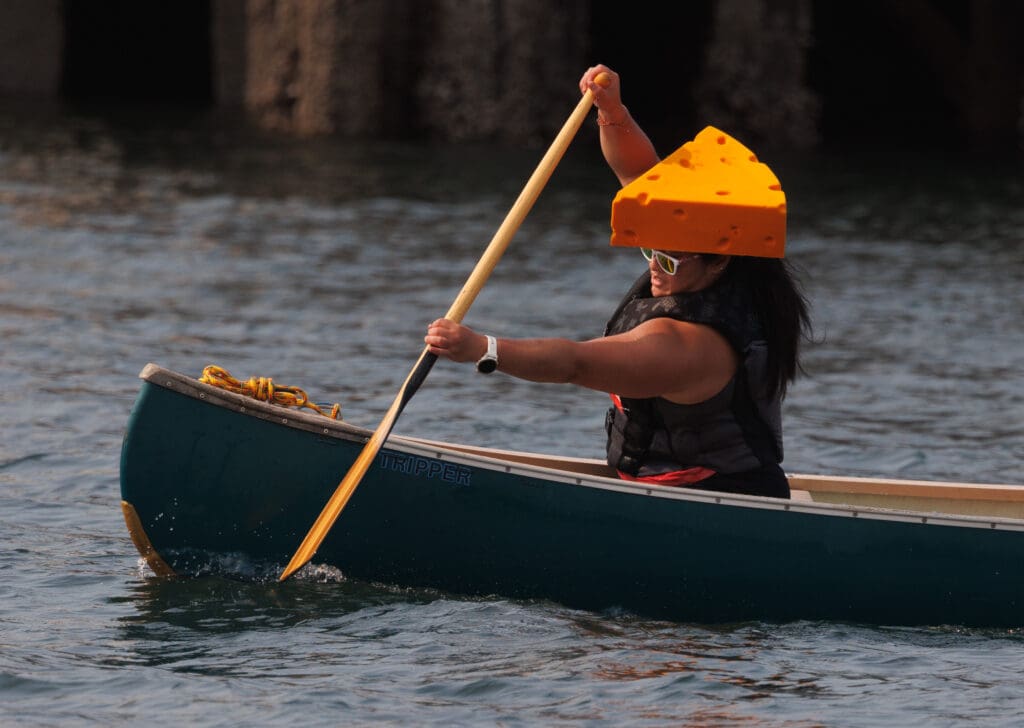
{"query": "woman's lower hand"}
{"type": "Point", "coordinates": [454, 341]}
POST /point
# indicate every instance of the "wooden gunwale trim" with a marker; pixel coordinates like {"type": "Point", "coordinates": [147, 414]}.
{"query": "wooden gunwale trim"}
{"type": "Point", "coordinates": [554, 469]}
{"type": "Point", "coordinates": [810, 483]}
{"type": "Point", "coordinates": [912, 488]}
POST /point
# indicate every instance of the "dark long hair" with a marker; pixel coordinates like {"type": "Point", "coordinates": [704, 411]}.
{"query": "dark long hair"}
{"type": "Point", "coordinates": [780, 301]}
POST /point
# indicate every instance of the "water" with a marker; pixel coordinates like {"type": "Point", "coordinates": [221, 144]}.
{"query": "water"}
{"type": "Point", "coordinates": [320, 264]}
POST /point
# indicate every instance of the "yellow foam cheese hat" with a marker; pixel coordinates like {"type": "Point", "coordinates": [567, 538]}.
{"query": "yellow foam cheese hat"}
{"type": "Point", "coordinates": [709, 196]}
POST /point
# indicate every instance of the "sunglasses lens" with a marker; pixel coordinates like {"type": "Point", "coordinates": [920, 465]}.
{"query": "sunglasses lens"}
{"type": "Point", "coordinates": [667, 264]}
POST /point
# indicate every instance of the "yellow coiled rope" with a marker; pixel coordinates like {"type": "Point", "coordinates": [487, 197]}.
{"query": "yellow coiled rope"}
{"type": "Point", "coordinates": [263, 389]}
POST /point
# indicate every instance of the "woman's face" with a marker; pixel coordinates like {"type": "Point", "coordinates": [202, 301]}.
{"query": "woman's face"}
{"type": "Point", "coordinates": [692, 273]}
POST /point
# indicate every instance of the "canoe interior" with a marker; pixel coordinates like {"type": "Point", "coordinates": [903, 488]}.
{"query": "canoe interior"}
{"type": "Point", "coordinates": [966, 499]}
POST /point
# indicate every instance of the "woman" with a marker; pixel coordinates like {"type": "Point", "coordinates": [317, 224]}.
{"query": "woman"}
{"type": "Point", "coordinates": [697, 357]}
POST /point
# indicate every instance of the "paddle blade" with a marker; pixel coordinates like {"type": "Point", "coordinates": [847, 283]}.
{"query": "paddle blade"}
{"type": "Point", "coordinates": [337, 502]}
{"type": "Point", "coordinates": [322, 526]}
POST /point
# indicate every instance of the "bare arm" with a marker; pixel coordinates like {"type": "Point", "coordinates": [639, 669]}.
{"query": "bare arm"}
{"type": "Point", "coordinates": [627, 149]}
{"type": "Point", "coordinates": [662, 357]}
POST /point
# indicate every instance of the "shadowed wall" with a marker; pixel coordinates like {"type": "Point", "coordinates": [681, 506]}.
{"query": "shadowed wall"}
{"type": "Point", "coordinates": [799, 73]}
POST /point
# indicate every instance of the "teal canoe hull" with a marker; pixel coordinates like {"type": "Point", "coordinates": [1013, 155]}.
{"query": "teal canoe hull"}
{"type": "Point", "coordinates": [214, 482]}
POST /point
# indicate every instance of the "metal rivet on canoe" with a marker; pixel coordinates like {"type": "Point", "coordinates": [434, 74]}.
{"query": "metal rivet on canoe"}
{"type": "Point", "coordinates": [786, 507]}
{"type": "Point", "coordinates": [718, 500]}
{"type": "Point", "coordinates": [241, 409]}
{"type": "Point", "coordinates": [993, 525]}
{"type": "Point", "coordinates": [202, 395]}
{"type": "Point", "coordinates": [326, 431]}
{"type": "Point", "coordinates": [284, 420]}
{"type": "Point", "coordinates": [170, 383]}
{"type": "Point", "coordinates": [924, 520]}
{"type": "Point", "coordinates": [855, 514]}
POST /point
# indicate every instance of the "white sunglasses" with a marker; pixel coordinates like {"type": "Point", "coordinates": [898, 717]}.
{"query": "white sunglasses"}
{"type": "Point", "coordinates": [666, 262]}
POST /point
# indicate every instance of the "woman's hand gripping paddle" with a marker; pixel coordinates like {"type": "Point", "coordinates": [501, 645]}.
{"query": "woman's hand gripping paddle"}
{"type": "Point", "coordinates": [465, 299]}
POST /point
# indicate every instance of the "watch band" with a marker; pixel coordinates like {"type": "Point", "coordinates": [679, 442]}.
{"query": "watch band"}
{"type": "Point", "coordinates": [489, 361]}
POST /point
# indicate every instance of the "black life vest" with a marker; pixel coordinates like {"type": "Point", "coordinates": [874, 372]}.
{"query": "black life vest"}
{"type": "Point", "coordinates": [736, 430]}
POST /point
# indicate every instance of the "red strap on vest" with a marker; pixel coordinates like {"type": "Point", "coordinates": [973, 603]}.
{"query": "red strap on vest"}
{"type": "Point", "coordinates": [687, 476]}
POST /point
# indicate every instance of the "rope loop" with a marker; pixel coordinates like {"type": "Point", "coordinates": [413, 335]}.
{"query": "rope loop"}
{"type": "Point", "coordinates": [264, 389]}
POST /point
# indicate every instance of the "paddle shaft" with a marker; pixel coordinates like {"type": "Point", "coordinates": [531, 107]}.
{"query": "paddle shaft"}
{"type": "Point", "coordinates": [458, 310]}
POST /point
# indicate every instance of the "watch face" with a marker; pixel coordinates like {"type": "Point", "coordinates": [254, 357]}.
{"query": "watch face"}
{"type": "Point", "coordinates": [486, 366]}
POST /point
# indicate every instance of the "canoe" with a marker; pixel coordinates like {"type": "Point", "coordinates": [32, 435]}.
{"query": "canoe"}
{"type": "Point", "coordinates": [214, 482]}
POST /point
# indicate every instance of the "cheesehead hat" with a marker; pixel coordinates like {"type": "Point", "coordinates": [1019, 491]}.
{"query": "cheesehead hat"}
{"type": "Point", "coordinates": [709, 196]}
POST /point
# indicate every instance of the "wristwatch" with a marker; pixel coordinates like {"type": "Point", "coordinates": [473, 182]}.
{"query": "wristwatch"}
{"type": "Point", "coordinates": [489, 361]}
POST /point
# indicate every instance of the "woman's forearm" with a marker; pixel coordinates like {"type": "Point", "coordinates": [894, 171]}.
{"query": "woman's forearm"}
{"type": "Point", "coordinates": [539, 360]}
{"type": "Point", "coordinates": [627, 148]}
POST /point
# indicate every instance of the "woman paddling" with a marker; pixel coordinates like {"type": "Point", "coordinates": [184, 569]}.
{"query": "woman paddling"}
{"type": "Point", "coordinates": [696, 358]}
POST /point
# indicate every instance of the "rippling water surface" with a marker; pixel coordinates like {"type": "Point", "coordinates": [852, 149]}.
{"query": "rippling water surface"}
{"type": "Point", "coordinates": [320, 264]}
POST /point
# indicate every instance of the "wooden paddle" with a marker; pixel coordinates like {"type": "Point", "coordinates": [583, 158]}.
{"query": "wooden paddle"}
{"type": "Point", "coordinates": [465, 299]}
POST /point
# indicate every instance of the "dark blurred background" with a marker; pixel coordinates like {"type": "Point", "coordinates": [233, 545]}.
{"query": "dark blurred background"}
{"type": "Point", "coordinates": [797, 73]}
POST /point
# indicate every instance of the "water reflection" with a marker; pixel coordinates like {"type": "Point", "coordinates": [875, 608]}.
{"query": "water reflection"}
{"type": "Point", "coordinates": [181, 623]}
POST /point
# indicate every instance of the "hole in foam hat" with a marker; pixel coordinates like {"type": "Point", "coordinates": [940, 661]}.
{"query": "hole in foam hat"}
{"type": "Point", "coordinates": [722, 192]}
